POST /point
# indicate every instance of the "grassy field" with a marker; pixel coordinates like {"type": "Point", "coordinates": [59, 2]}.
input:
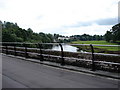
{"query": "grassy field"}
{"type": "Point", "coordinates": [94, 42]}
{"type": "Point", "coordinates": [99, 43]}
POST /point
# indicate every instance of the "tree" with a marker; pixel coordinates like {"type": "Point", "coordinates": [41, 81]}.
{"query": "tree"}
{"type": "Point", "coordinates": [13, 33]}
{"type": "Point", "coordinates": [114, 34]}
{"type": "Point", "coordinates": [108, 36]}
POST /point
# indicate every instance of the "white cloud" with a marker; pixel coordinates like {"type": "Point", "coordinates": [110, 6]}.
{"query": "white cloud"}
{"type": "Point", "coordinates": [93, 29]}
{"type": "Point", "coordinates": [50, 16]}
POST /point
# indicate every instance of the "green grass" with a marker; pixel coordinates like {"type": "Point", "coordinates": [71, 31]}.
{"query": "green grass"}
{"type": "Point", "coordinates": [106, 48]}
{"type": "Point", "coordinates": [94, 42]}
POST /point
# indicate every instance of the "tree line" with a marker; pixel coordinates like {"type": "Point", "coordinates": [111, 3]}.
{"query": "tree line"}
{"type": "Point", "coordinates": [11, 32]}
{"type": "Point", "coordinates": [87, 37]}
{"type": "Point", "coordinates": [113, 35]}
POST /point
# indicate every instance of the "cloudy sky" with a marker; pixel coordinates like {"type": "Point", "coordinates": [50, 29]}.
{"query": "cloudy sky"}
{"type": "Point", "coordinates": [65, 17]}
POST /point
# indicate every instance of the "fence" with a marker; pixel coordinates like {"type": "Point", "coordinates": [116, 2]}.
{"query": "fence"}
{"type": "Point", "coordinates": [16, 48]}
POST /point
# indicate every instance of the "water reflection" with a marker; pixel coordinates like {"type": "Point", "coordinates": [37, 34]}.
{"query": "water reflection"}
{"type": "Point", "coordinates": [65, 48]}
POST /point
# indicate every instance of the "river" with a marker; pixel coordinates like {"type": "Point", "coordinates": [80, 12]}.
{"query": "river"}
{"type": "Point", "coordinates": [65, 48]}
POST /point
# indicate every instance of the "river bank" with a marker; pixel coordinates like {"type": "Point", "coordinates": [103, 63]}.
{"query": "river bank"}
{"type": "Point", "coordinates": [98, 49]}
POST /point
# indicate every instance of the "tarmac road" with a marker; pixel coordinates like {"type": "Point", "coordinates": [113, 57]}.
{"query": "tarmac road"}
{"type": "Point", "coordinates": [24, 74]}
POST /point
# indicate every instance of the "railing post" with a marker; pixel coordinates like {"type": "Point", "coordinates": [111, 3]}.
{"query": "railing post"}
{"type": "Point", "coordinates": [26, 54]}
{"type": "Point", "coordinates": [40, 52]}
{"type": "Point", "coordinates": [93, 58]}
{"type": "Point", "coordinates": [14, 49]}
{"type": "Point", "coordinates": [62, 55]}
{"type": "Point", "coordinates": [6, 48]}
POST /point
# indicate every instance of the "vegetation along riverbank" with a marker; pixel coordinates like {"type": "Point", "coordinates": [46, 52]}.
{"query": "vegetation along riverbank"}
{"type": "Point", "coordinates": [98, 49]}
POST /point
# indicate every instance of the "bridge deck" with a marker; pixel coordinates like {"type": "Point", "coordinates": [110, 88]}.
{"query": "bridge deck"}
{"type": "Point", "coordinates": [23, 74]}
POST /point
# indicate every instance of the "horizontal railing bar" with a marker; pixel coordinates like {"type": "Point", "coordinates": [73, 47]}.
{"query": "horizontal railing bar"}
{"type": "Point", "coordinates": [107, 62]}
{"type": "Point", "coordinates": [104, 62]}
{"type": "Point", "coordinates": [65, 51]}
{"type": "Point", "coordinates": [61, 43]}
{"type": "Point", "coordinates": [28, 43]}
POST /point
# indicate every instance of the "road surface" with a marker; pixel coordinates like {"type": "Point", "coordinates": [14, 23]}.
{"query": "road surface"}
{"type": "Point", "coordinates": [24, 74]}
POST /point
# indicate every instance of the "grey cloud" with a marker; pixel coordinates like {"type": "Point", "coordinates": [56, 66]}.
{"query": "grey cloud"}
{"type": "Point", "coordinates": [107, 21]}
{"type": "Point", "coordinates": [79, 24]}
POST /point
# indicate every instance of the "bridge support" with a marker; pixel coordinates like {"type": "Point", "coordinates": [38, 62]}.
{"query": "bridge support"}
{"type": "Point", "coordinates": [26, 54]}
{"type": "Point", "coordinates": [62, 55]}
{"type": "Point", "coordinates": [6, 47]}
{"type": "Point", "coordinates": [40, 52]}
{"type": "Point", "coordinates": [93, 58]}
{"type": "Point", "coordinates": [15, 49]}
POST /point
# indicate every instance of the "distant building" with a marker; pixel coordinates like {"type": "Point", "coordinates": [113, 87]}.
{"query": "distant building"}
{"type": "Point", "coordinates": [63, 38]}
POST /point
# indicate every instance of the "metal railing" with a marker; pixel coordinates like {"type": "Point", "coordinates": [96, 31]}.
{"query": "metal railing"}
{"type": "Point", "coordinates": [41, 55]}
{"type": "Point", "coordinates": [39, 45]}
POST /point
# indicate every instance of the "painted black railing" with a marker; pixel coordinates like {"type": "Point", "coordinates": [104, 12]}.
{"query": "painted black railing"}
{"type": "Point", "coordinates": [41, 55]}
